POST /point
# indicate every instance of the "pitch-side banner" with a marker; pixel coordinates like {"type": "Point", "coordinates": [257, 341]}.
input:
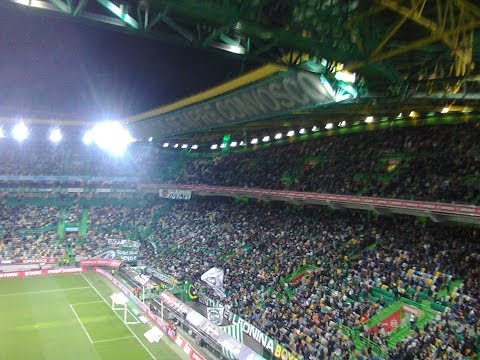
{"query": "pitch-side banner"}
{"type": "Point", "coordinates": [214, 279]}
{"type": "Point", "coordinates": [101, 262]}
{"type": "Point", "coordinates": [215, 315]}
{"type": "Point", "coordinates": [175, 194]}
{"type": "Point", "coordinates": [16, 274]}
{"type": "Point", "coordinates": [226, 341]}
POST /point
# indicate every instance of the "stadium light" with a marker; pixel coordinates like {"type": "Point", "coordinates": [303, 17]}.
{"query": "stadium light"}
{"type": "Point", "coordinates": [400, 115]}
{"type": "Point", "coordinates": [88, 137]}
{"type": "Point", "coordinates": [165, 144]}
{"type": "Point", "coordinates": [413, 114]}
{"type": "Point", "coordinates": [20, 132]}
{"type": "Point", "coordinates": [2, 134]}
{"type": "Point", "coordinates": [150, 139]}
{"type": "Point", "coordinates": [254, 141]}
{"type": "Point", "coordinates": [315, 128]}
{"type": "Point", "coordinates": [278, 136]}
{"type": "Point", "coordinates": [266, 138]}
{"type": "Point", "coordinates": [291, 133]}
{"type": "Point", "coordinates": [369, 119]}
{"type": "Point", "coordinates": [242, 143]}
{"type": "Point", "coordinates": [233, 144]}
{"type": "Point", "coordinates": [329, 126]}
{"type": "Point", "coordinates": [445, 110]}
{"type": "Point", "coordinates": [302, 131]}
{"type": "Point", "coordinates": [223, 146]}
{"type": "Point", "coordinates": [184, 146]}
{"type": "Point", "coordinates": [342, 123]}
{"type": "Point", "coordinates": [194, 147]}
{"type": "Point", "coordinates": [175, 146]}
{"type": "Point", "coordinates": [111, 137]}
{"type": "Point", "coordinates": [55, 135]}
{"type": "Point", "coordinates": [214, 147]}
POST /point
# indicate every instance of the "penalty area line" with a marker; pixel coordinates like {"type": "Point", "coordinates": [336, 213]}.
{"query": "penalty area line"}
{"type": "Point", "coordinates": [45, 291]}
{"type": "Point", "coordinates": [128, 327]}
{"type": "Point", "coordinates": [81, 324]}
{"type": "Point", "coordinates": [115, 339]}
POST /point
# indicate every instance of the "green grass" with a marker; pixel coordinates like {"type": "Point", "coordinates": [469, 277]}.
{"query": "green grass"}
{"type": "Point", "coordinates": [68, 317]}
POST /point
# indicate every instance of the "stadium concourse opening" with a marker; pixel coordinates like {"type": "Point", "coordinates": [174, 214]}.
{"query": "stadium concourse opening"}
{"type": "Point", "coordinates": [287, 214]}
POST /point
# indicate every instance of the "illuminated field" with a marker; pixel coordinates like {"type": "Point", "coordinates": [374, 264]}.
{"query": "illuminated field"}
{"type": "Point", "coordinates": [69, 317]}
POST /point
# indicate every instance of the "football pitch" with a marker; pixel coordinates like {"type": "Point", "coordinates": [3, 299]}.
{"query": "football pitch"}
{"type": "Point", "coordinates": [69, 316]}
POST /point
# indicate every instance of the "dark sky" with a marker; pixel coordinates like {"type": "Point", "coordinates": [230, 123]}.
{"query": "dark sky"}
{"type": "Point", "coordinates": [59, 67]}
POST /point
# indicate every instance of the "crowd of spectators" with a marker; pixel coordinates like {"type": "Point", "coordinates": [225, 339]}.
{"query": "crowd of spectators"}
{"type": "Point", "coordinates": [259, 244]}
{"type": "Point", "coordinates": [433, 163]}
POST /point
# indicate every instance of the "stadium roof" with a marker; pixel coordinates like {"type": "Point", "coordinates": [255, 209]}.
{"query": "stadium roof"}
{"type": "Point", "coordinates": [407, 55]}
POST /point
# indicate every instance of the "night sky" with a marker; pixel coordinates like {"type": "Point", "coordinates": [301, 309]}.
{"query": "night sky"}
{"type": "Point", "coordinates": [56, 67]}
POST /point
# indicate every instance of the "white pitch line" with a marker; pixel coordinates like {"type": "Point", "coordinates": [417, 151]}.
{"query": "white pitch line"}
{"type": "Point", "coordinates": [107, 340]}
{"type": "Point", "coordinates": [46, 291]}
{"type": "Point", "coordinates": [80, 321]}
{"type": "Point", "coordinates": [88, 302]}
{"type": "Point", "coordinates": [128, 327]}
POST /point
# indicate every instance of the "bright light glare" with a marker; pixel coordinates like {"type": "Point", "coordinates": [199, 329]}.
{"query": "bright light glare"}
{"type": "Point", "coordinates": [369, 119]}
{"type": "Point", "coordinates": [242, 143]}
{"type": "Point", "coordinates": [302, 131]}
{"type": "Point", "coordinates": [329, 126]}
{"type": "Point", "coordinates": [266, 138]}
{"type": "Point", "coordinates": [55, 135]}
{"type": "Point", "coordinates": [278, 136]}
{"type": "Point", "coordinates": [315, 128]}
{"type": "Point", "coordinates": [233, 144]}
{"type": "Point", "coordinates": [194, 147]}
{"type": "Point", "coordinates": [88, 137]}
{"type": "Point", "coordinates": [20, 132]}
{"type": "Point", "coordinates": [445, 110]}
{"type": "Point", "coordinates": [165, 144]}
{"type": "Point", "coordinates": [214, 147]}
{"type": "Point", "coordinates": [413, 114]}
{"type": "Point", "coordinates": [342, 123]}
{"type": "Point", "coordinates": [150, 139]}
{"type": "Point", "coordinates": [254, 141]}
{"type": "Point", "coordinates": [223, 146]}
{"type": "Point", "coordinates": [184, 146]}
{"type": "Point", "coordinates": [2, 134]}
{"type": "Point", "coordinates": [112, 137]}
{"type": "Point", "coordinates": [291, 133]}
{"type": "Point", "coordinates": [175, 146]}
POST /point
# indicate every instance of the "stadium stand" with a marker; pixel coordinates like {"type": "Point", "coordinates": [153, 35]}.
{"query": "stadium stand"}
{"type": "Point", "coordinates": [436, 163]}
{"type": "Point", "coordinates": [313, 279]}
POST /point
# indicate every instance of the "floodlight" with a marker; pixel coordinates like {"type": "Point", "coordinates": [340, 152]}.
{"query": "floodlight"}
{"type": "Point", "coordinates": [291, 133]}
{"type": "Point", "coordinates": [175, 146]}
{"type": "Point", "coordinates": [266, 138]}
{"type": "Point", "coordinates": [242, 143]}
{"type": "Point", "coordinates": [165, 144]}
{"type": "Point", "coordinates": [302, 131]}
{"type": "Point", "coordinates": [445, 110]}
{"type": "Point", "coordinates": [329, 126]}
{"type": "Point", "coordinates": [184, 146]}
{"type": "Point", "coordinates": [400, 115]}
{"type": "Point", "coordinates": [55, 135]}
{"type": "Point", "coordinates": [214, 147]}
{"type": "Point", "coordinates": [2, 134]}
{"type": "Point", "coordinates": [278, 136]}
{"type": "Point", "coordinates": [112, 137]}
{"type": "Point", "coordinates": [88, 137]}
{"type": "Point", "coordinates": [150, 139]}
{"type": "Point", "coordinates": [369, 119]}
{"type": "Point", "coordinates": [20, 132]}
{"type": "Point", "coordinates": [413, 114]}
{"type": "Point", "coordinates": [194, 147]}
{"type": "Point", "coordinates": [254, 141]}
{"type": "Point", "coordinates": [223, 146]}
{"type": "Point", "coordinates": [342, 123]}
{"type": "Point", "coordinates": [315, 128]}
{"type": "Point", "coordinates": [233, 144]}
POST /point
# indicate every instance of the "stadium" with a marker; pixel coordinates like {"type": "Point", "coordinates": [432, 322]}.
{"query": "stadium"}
{"type": "Point", "coordinates": [239, 179]}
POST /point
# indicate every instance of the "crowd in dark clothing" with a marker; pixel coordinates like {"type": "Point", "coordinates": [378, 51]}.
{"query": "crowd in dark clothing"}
{"type": "Point", "coordinates": [432, 163]}
{"type": "Point", "coordinates": [257, 245]}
